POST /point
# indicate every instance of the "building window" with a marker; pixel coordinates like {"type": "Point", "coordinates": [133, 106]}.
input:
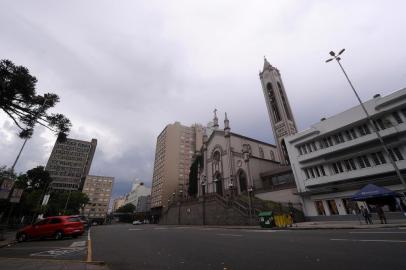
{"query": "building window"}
{"type": "Point", "coordinates": [337, 167]}
{"type": "Point", "coordinates": [378, 158]}
{"type": "Point", "coordinates": [338, 138]}
{"type": "Point", "coordinates": [285, 104]}
{"type": "Point", "coordinates": [320, 208]}
{"type": "Point", "coordinates": [350, 164]}
{"type": "Point", "coordinates": [363, 161]}
{"type": "Point", "coordinates": [332, 206]}
{"type": "Point", "coordinates": [395, 154]}
{"type": "Point", "coordinates": [307, 173]}
{"type": "Point", "coordinates": [272, 155]}
{"type": "Point", "coordinates": [379, 124]}
{"type": "Point", "coordinates": [314, 146]}
{"type": "Point", "coordinates": [261, 152]}
{"type": "Point", "coordinates": [364, 130]}
{"type": "Point", "coordinates": [311, 172]}
{"type": "Point", "coordinates": [274, 105]}
{"type": "Point", "coordinates": [323, 172]}
{"type": "Point", "coordinates": [397, 117]}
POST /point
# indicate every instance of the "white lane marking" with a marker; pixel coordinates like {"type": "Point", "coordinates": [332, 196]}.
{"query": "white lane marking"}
{"type": "Point", "coordinates": [57, 252]}
{"type": "Point", "coordinates": [377, 232]}
{"type": "Point", "coordinates": [208, 229]}
{"type": "Point", "coordinates": [78, 244]}
{"type": "Point", "coordinates": [135, 229]}
{"type": "Point", "coordinates": [160, 228]}
{"type": "Point", "coordinates": [183, 227]}
{"type": "Point", "coordinates": [226, 234]}
{"type": "Point", "coordinates": [265, 231]}
{"type": "Point", "coordinates": [370, 240]}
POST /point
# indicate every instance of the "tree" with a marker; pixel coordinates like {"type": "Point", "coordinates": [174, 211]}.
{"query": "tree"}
{"type": "Point", "coordinates": [76, 200]}
{"type": "Point", "coordinates": [194, 175]}
{"type": "Point", "coordinates": [127, 208]}
{"type": "Point", "coordinates": [19, 100]}
{"type": "Point", "coordinates": [36, 178]}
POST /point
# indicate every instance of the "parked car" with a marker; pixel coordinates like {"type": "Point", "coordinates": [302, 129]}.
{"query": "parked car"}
{"type": "Point", "coordinates": [137, 222]}
{"type": "Point", "coordinates": [85, 221]}
{"type": "Point", "coordinates": [56, 227]}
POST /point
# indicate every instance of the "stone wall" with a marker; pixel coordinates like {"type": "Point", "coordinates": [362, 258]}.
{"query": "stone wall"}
{"type": "Point", "coordinates": [216, 213]}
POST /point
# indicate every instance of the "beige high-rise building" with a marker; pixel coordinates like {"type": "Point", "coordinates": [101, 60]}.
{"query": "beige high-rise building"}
{"type": "Point", "coordinates": [175, 148]}
{"type": "Point", "coordinates": [118, 202]}
{"type": "Point", "coordinates": [98, 189]}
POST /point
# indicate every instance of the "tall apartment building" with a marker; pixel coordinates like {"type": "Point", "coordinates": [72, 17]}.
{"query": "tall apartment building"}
{"type": "Point", "coordinates": [118, 202]}
{"type": "Point", "coordinates": [69, 163]}
{"type": "Point", "coordinates": [175, 148]}
{"type": "Point", "coordinates": [98, 189]}
{"type": "Point", "coordinates": [333, 159]}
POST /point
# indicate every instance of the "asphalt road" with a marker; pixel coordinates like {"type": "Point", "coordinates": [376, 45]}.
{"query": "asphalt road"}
{"type": "Point", "coordinates": [172, 247]}
{"type": "Point", "coordinates": [66, 249]}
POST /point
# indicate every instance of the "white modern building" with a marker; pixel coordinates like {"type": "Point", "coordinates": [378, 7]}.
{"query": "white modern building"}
{"type": "Point", "coordinates": [336, 157]}
{"type": "Point", "coordinates": [138, 189]}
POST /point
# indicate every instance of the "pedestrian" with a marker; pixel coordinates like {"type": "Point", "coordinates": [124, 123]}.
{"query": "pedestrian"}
{"type": "Point", "coordinates": [367, 216]}
{"type": "Point", "coordinates": [381, 214]}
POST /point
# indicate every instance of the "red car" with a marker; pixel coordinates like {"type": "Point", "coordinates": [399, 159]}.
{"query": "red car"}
{"type": "Point", "coordinates": [56, 227]}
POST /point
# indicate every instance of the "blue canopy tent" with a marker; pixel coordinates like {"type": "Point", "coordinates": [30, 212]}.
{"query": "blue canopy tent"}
{"type": "Point", "coordinates": [370, 192]}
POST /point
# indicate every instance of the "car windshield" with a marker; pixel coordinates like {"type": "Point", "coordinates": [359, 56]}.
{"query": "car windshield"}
{"type": "Point", "coordinates": [74, 219]}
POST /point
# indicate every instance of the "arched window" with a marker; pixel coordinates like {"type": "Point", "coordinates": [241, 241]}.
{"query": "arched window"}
{"type": "Point", "coordinates": [272, 155]}
{"type": "Point", "coordinates": [216, 156]}
{"type": "Point", "coordinates": [274, 104]}
{"type": "Point", "coordinates": [285, 105]}
{"type": "Point", "coordinates": [242, 179]}
{"type": "Point", "coordinates": [261, 152]}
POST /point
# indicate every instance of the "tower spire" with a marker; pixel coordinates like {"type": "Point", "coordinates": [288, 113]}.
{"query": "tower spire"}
{"type": "Point", "coordinates": [215, 119]}
{"type": "Point", "coordinates": [226, 126]}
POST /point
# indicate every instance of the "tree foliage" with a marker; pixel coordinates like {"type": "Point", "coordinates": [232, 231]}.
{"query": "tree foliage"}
{"type": "Point", "coordinates": [127, 208]}
{"type": "Point", "coordinates": [76, 200]}
{"type": "Point", "coordinates": [194, 175]}
{"type": "Point", "coordinates": [19, 100]}
{"type": "Point", "coordinates": [36, 178]}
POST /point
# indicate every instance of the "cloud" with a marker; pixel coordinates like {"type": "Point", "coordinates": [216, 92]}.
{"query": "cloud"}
{"type": "Point", "coordinates": [124, 71]}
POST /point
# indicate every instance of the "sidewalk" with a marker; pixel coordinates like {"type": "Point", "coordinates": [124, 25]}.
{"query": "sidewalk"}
{"type": "Point", "coordinates": [320, 225]}
{"type": "Point", "coordinates": [9, 237]}
{"type": "Point", "coordinates": [38, 264]}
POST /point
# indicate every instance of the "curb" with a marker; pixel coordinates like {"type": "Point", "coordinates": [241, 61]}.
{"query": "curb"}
{"type": "Point", "coordinates": [12, 242]}
{"type": "Point", "coordinates": [308, 228]}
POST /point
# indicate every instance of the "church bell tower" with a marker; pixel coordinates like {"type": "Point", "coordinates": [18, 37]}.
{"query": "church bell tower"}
{"type": "Point", "coordinates": [279, 111]}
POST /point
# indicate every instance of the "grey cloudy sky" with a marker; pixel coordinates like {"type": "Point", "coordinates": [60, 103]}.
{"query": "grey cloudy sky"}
{"type": "Point", "coordinates": [125, 69]}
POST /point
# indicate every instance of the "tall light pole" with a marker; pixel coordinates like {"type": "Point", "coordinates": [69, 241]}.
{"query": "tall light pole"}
{"type": "Point", "coordinates": [385, 148]}
{"type": "Point", "coordinates": [203, 183]}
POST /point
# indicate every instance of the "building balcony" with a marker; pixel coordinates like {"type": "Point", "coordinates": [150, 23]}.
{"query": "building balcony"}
{"type": "Point", "coordinates": [401, 128]}
{"type": "Point", "coordinates": [355, 174]}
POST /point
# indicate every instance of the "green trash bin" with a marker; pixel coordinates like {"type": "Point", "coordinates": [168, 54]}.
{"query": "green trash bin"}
{"type": "Point", "coordinates": [266, 219]}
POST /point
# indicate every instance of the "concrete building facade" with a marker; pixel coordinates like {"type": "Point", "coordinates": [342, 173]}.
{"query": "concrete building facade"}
{"type": "Point", "coordinates": [118, 202]}
{"type": "Point", "coordinates": [138, 190]}
{"type": "Point", "coordinates": [175, 148]}
{"type": "Point", "coordinates": [143, 204]}
{"type": "Point", "coordinates": [336, 157]}
{"type": "Point", "coordinates": [279, 110]}
{"type": "Point", "coordinates": [69, 163]}
{"type": "Point", "coordinates": [98, 189]}
{"type": "Point", "coordinates": [235, 164]}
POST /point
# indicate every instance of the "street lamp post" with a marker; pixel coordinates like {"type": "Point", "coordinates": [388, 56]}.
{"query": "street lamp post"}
{"type": "Point", "coordinates": [203, 183]}
{"type": "Point", "coordinates": [250, 189]}
{"type": "Point", "coordinates": [385, 148]}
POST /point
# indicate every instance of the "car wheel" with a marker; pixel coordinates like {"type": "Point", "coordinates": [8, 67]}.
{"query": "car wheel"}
{"type": "Point", "coordinates": [22, 237]}
{"type": "Point", "coordinates": [58, 235]}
